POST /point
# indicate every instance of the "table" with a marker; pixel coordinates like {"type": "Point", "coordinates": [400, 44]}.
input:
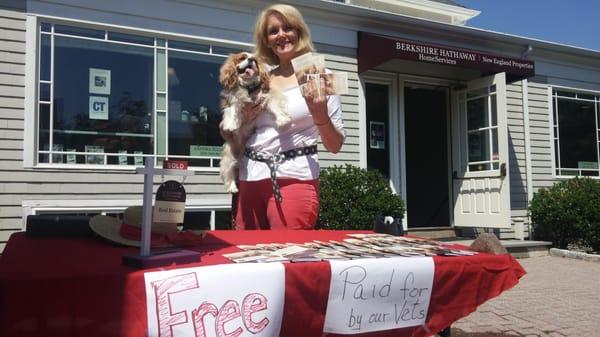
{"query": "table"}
{"type": "Point", "coordinates": [78, 287]}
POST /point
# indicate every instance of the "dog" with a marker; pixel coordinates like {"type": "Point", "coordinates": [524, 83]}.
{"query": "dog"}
{"type": "Point", "coordinates": [244, 80]}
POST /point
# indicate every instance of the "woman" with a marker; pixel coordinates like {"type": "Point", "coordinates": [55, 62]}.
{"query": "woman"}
{"type": "Point", "coordinates": [284, 193]}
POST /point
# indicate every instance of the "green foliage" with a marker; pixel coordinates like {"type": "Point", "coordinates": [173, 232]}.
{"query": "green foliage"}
{"type": "Point", "coordinates": [568, 212]}
{"type": "Point", "coordinates": [352, 197]}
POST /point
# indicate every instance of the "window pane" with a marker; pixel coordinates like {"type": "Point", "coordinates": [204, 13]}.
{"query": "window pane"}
{"type": "Point", "coordinates": [196, 220]}
{"type": "Point", "coordinates": [494, 111]}
{"type": "Point", "coordinates": [60, 29]}
{"type": "Point", "coordinates": [44, 131]}
{"type": "Point", "coordinates": [45, 58]}
{"type": "Point", "coordinates": [586, 96]}
{"type": "Point", "coordinates": [225, 51]}
{"type": "Point", "coordinates": [577, 134]}
{"type": "Point", "coordinates": [565, 93]}
{"type": "Point", "coordinates": [479, 167]}
{"type": "Point", "coordinates": [189, 46]}
{"type": "Point", "coordinates": [479, 146]}
{"type": "Point", "coordinates": [223, 220]}
{"type": "Point", "coordinates": [45, 92]}
{"type": "Point", "coordinates": [111, 108]}
{"type": "Point", "coordinates": [477, 113]}
{"type": "Point", "coordinates": [45, 27]}
{"type": "Point", "coordinates": [161, 64]}
{"type": "Point", "coordinates": [131, 38]}
{"type": "Point", "coordinates": [495, 154]}
{"type": "Point", "coordinates": [194, 112]}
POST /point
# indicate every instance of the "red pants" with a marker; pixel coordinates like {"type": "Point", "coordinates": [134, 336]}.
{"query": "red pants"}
{"type": "Point", "coordinates": [258, 209]}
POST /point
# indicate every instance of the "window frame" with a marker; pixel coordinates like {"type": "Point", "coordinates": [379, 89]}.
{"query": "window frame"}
{"type": "Point", "coordinates": [553, 124]}
{"type": "Point", "coordinates": [52, 206]}
{"type": "Point", "coordinates": [31, 148]}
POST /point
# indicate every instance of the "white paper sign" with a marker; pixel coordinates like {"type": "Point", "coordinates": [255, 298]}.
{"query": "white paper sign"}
{"type": "Point", "coordinates": [99, 107]}
{"type": "Point", "coordinates": [99, 82]}
{"type": "Point", "coordinates": [368, 295]}
{"type": "Point", "coordinates": [220, 301]}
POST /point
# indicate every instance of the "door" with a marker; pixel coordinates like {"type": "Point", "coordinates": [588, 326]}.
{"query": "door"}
{"type": "Point", "coordinates": [427, 163]}
{"type": "Point", "coordinates": [480, 180]}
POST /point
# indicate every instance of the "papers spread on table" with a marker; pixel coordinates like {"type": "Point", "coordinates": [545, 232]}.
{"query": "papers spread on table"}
{"type": "Point", "coordinates": [355, 246]}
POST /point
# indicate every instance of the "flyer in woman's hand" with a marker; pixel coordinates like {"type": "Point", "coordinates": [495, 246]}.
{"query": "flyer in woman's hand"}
{"type": "Point", "coordinates": [312, 75]}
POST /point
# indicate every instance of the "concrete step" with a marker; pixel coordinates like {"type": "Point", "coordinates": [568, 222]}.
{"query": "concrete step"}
{"type": "Point", "coordinates": [517, 248]}
{"type": "Point", "coordinates": [434, 233]}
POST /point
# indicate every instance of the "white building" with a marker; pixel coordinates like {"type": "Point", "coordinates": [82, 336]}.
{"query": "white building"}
{"type": "Point", "coordinates": [466, 123]}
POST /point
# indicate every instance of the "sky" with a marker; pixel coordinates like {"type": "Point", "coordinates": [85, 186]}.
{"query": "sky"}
{"type": "Point", "coordinates": [571, 22]}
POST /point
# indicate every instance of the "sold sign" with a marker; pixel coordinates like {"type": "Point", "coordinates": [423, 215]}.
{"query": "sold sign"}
{"type": "Point", "coordinates": [175, 164]}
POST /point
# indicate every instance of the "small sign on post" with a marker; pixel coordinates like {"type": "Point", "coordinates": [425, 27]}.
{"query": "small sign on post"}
{"type": "Point", "coordinates": [146, 259]}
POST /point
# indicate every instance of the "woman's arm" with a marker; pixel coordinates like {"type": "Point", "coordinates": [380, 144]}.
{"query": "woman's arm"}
{"type": "Point", "coordinates": [331, 137]}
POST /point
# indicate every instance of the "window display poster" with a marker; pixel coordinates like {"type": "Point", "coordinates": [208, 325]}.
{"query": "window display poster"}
{"type": "Point", "coordinates": [123, 157]}
{"type": "Point", "coordinates": [139, 159]}
{"type": "Point", "coordinates": [57, 157]}
{"type": "Point", "coordinates": [205, 151]}
{"type": "Point", "coordinates": [94, 159]}
{"type": "Point", "coordinates": [99, 81]}
{"type": "Point", "coordinates": [99, 107]}
{"type": "Point", "coordinates": [377, 135]}
{"type": "Point", "coordinates": [71, 159]}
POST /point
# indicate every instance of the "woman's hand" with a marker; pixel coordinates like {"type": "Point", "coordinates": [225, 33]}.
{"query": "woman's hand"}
{"type": "Point", "coordinates": [316, 100]}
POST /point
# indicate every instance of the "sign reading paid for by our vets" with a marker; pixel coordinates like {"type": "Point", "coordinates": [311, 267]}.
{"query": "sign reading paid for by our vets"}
{"type": "Point", "coordinates": [212, 302]}
{"type": "Point", "coordinates": [170, 203]}
{"type": "Point", "coordinates": [368, 295]}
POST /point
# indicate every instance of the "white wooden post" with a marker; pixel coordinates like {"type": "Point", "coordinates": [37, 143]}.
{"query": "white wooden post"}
{"type": "Point", "coordinates": [149, 172]}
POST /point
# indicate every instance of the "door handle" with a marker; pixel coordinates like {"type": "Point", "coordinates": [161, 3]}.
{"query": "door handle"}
{"type": "Point", "coordinates": [503, 170]}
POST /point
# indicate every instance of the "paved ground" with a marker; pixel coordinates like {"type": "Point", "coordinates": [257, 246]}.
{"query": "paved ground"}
{"type": "Point", "coordinates": [558, 297]}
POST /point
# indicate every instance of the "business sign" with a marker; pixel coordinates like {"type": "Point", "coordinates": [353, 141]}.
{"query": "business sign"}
{"type": "Point", "coordinates": [216, 301]}
{"type": "Point", "coordinates": [374, 50]}
{"type": "Point", "coordinates": [98, 107]}
{"type": "Point", "coordinates": [368, 295]}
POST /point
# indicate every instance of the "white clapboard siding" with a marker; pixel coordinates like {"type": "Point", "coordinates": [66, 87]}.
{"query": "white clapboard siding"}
{"type": "Point", "coordinates": [540, 130]}
{"type": "Point", "coordinates": [516, 154]}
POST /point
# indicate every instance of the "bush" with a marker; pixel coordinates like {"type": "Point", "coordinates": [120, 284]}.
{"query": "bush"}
{"type": "Point", "coordinates": [568, 213]}
{"type": "Point", "coordinates": [352, 197]}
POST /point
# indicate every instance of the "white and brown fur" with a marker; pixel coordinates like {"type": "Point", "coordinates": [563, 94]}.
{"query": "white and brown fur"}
{"type": "Point", "coordinates": [244, 80]}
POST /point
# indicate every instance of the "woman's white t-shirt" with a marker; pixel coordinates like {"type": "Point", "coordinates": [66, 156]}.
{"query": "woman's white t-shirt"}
{"type": "Point", "coordinates": [269, 140]}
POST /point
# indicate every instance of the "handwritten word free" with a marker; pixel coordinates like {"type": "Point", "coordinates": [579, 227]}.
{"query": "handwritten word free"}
{"type": "Point", "coordinates": [191, 304]}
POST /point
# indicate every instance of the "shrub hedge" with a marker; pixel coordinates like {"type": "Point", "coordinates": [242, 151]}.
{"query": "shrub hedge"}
{"type": "Point", "coordinates": [352, 197]}
{"type": "Point", "coordinates": [568, 213]}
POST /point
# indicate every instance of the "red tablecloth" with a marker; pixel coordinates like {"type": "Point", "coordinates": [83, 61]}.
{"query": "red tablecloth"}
{"type": "Point", "coordinates": [78, 287]}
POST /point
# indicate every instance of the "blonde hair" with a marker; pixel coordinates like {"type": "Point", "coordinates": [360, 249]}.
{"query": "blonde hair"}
{"type": "Point", "coordinates": [292, 17]}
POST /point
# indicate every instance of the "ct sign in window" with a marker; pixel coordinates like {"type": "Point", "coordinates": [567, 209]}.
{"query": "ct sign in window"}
{"type": "Point", "coordinates": [576, 133]}
{"type": "Point", "coordinates": [111, 99]}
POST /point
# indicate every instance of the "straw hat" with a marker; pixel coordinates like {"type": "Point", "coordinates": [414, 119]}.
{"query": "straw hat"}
{"type": "Point", "coordinates": [109, 228]}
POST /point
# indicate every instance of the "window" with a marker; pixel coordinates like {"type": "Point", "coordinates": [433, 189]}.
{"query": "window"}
{"type": "Point", "coordinates": [194, 219]}
{"type": "Point", "coordinates": [111, 99]}
{"type": "Point", "coordinates": [576, 133]}
{"type": "Point", "coordinates": [480, 119]}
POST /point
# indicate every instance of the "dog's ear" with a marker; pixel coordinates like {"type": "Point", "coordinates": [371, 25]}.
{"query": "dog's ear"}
{"type": "Point", "coordinates": [228, 73]}
{"type": "Point", "coordinates": [264, 77]}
